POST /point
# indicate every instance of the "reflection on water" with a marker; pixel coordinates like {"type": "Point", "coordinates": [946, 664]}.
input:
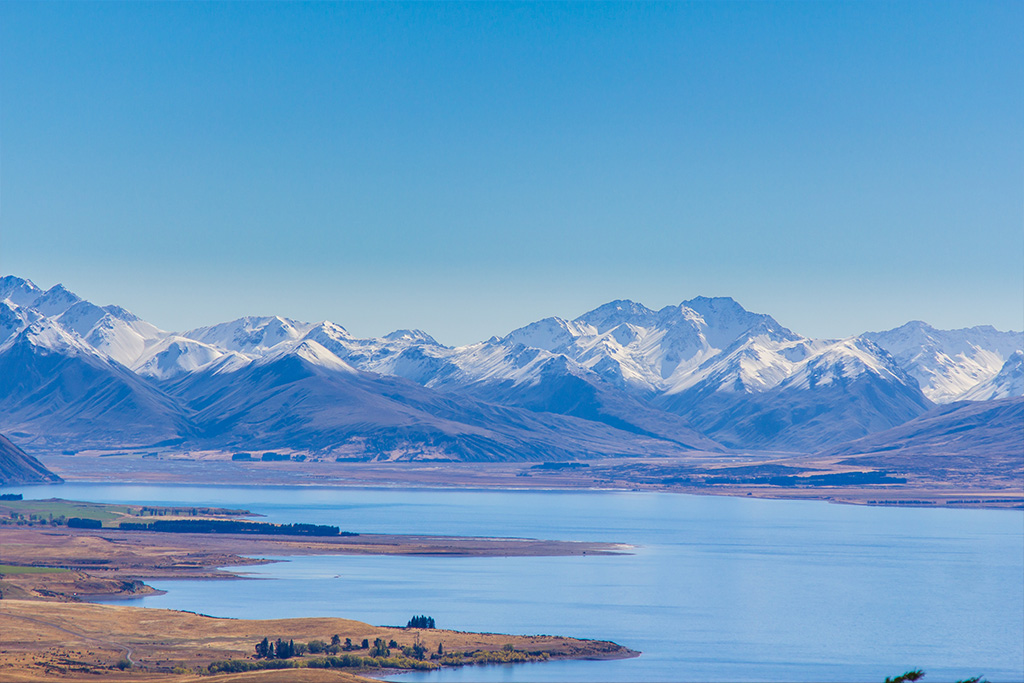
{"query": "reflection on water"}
{"type": "Point", "coordinates": [718, 589]}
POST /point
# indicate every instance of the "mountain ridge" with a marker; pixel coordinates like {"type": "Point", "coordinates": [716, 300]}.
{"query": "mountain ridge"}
{"type": "Point", "coordinates": [703, 374]}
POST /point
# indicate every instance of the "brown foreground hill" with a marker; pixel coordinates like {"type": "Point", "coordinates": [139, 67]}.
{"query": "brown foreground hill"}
{"type": "Point", "coordinates": [81, 641]}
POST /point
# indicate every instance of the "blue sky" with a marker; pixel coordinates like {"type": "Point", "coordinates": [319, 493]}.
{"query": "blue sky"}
{"type": "Point", "coordinates": [468, 168]}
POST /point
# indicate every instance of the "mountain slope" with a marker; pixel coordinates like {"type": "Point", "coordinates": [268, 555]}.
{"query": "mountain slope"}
{"type": "Point", "coordinates": [62, 393]}
{"type": "Point", "coordinates": [1007, 383]}
{"type": "Point", "coordinates": [797, 396]}
{"type": "Point", "coordinates": [307, 398]}
{"type": "Point", "coordinates": [18, 467]}
{"type": "Point", "coordinates": [964, 438]}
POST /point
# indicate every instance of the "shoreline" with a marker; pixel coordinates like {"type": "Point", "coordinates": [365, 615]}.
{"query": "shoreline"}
{"type": "Point", "coordinates": [52, 579]}
{"type": "Point", "coordinates": [86, 641]}
{"type": "Point", "coordinates": [627, 475]}
{"type": "Point", "coordinates": [61, 564]}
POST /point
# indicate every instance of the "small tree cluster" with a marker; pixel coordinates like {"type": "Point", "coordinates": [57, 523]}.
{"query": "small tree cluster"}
{"type": "Point", "coordinates": [421, 621]}
{"type": "Point", "coordinates": [417, 651]}
{"type": "Point", "coordinates": [279, 649]}
{"type": "Point", "coordinates": [380, 649]}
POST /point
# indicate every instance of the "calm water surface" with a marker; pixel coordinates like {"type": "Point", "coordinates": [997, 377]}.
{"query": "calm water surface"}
{"type": "Point", "coordinates": [718, 588]}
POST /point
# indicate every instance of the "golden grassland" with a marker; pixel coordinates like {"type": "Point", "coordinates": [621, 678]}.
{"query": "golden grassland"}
{"type": "Point", "coordinates": [48, 634]}
{"type": "Point", "coordinates": [47, 641]}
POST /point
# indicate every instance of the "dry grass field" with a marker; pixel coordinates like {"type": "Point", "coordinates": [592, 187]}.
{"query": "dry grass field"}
{"type": "Point", "coordinates": [51, 641]}
{"type": "Point", "coordinates": [47, 633]}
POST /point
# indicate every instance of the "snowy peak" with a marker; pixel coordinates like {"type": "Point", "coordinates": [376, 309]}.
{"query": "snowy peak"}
{"type": "Point", "coordinates": [46, 335]}
{"type": "Point", "coordinates": [251, 335]}
{"type": "Point", "coordinates": [22, 292]}
{"type": "Point", "coordinates": [55, 301]}
{"type": "Point", "coordinates": [632, 346]}
{"type": "Point", "coordinates": [174, 356]}
{"type": "Point", "coordinates": [411, 337]}
{"type": "Point", "coordinates": [549, 334]}
{"type": "Point", "coordinates": [19, 291]}
{"type": "Point", "coordinates": [615, 313]}
{"type": "Point", "coordinates": [1007, 383]}
{"type": "Point", "coordinates": [844, 362]}
{"type": "Point", "coordinates": [725, 321]}
{"type": "Point", "coordinates": [311, 352]}
{"type": "Point", "coordinates": [949, 363]}
{"type": "Point", "coordinates": [111, 330]}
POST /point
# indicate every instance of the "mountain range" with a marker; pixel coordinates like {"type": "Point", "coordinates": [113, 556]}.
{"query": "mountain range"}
{"type": "Point", "coordinates": [622, 379]}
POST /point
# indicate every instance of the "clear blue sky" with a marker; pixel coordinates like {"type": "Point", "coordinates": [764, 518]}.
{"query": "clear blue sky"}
{"type": "Point", "coordinates": [466, 169]}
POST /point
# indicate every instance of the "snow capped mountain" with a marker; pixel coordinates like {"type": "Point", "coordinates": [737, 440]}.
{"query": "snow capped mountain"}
{"type": "Point", "coordinates": [949, 363]}
{"type": "Point", "coordinates": [57, 391]}
{"type": "Point", "coordinates": [309, 351]}
{"type": "Point", "coordinates": [645, 351]}
{"type": "Point", "coordinates": [111, 330]}
{"type": "Point", "coordinates": [843, 362]}
{"type": "Point", "coordinates": [14, 319]}
{"type": "Point", "coordinates": [796, 394]}
{"type": "Point", "coordinates": [19, 291]}
{"type": "Point", "coordinates": [1008, 382]}
{"type": "Point", "coordinates": [46, 335]}
{"type": "Point", "coordinates": [411, 337]}
{"type": "Point", "coordinates": [250, 335]}
{"type": "Point", "coordinates": [173, 356]}
{"type": "Point", "coordinates": [696, 375]}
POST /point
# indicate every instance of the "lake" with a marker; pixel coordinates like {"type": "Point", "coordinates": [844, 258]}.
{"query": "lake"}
{"type": "Point", "coordinates": [719, 589]}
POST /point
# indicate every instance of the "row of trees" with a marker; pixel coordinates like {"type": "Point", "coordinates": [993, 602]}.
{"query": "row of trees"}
{"type": "Point", "coordinates": [223, 526]}
{"type": "Point", "coordinates": [421, 621]}
{"type": "Point", "coordinates": [286, 649]}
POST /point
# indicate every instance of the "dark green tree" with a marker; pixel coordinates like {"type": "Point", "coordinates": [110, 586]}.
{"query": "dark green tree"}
{"type": "Point", "coordinates": [912, 675]}
{"type": "Point", "coordinates": [380, 648]}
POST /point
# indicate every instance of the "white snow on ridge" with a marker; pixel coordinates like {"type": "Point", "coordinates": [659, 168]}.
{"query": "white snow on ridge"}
{"type": "Point", "coordinates": [45, 334]}
{"type": "Point", "coordinates": [949, 363]}
{"type": "Point", "coordinates": [250, 335]}
{"type": "Point", "coordinates": [843, 360]}
{"type": "Point", "coordinates": [173, 356]}
{"type": "Point", "coordinates": [111, 330]}
{"type": "Point", "coordinates": [1007, 383]}
{"type": "Point", "coordinates": [713, 344]}
{"type": "Point", "coordinates": [310, 351]}
{"type": "Point", "coordinates": [550, 334]}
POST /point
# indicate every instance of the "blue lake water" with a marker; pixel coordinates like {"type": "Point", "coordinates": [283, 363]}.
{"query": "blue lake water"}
{"type": "Point", "coordinates": [718, 589]}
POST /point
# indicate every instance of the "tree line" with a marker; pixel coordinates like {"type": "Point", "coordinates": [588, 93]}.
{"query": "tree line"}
{"type": "Point", "coordinates": [220, 526]}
